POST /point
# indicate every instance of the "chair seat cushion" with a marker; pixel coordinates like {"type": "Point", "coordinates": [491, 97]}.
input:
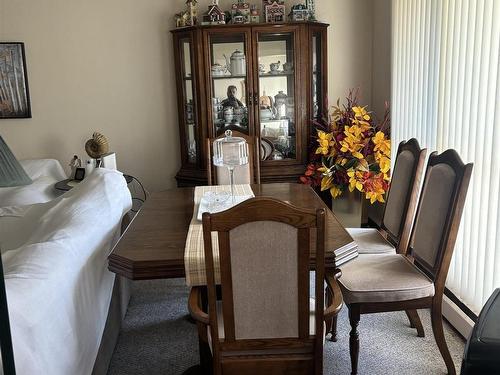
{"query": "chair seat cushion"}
{"type": "Point", "coordinates": [370, 241]}
{"type": "Point", "coordinates": [383, 278]}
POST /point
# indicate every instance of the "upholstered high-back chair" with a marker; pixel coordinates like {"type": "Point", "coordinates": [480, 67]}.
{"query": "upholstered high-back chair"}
{"type": "Point", "coordinates": [399, 209]}
{"type": "Point", "coordinates": [243, 174]}
{"type": "Point", "coordinates": [390, 282]}
{"type": "Point", "coordinates": [266, 321]}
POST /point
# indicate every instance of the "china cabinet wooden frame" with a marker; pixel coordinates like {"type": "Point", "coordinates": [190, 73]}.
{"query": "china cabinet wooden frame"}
{"type": "Point", "coordinates": [205, 85]}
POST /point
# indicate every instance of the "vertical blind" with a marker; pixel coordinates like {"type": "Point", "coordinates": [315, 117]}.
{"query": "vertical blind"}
{"type": "Point", "coordinates": [446, 93]}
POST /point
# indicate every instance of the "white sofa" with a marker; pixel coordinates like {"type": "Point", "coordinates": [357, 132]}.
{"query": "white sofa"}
{"type": "Point", "coordinates": [54, 255]}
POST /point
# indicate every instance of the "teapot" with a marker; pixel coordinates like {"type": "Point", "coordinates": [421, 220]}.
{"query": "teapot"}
{"type": "Point", "coordinates": [266, 114]}
{"type": "Point", "coordinates": [218, 70]}
{"type": "Point", "coordinates": [236, 64]}
{"type": "Point", "coordinates": [274, 67]}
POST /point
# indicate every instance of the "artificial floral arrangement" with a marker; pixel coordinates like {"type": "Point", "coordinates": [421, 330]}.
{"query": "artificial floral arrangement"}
{"type": "Point", "coordinates": [350, 150]}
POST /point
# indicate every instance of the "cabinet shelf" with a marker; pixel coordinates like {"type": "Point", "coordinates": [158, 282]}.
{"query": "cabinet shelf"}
{"type": "Point", "coordinates": [282, 74]}
{"type": "Point", "coordinates": [229, 77]}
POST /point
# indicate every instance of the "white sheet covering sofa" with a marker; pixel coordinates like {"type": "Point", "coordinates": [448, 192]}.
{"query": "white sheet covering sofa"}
{"type": "Point", "coordinates": [44, 173]}
{"type": "Point", "coordinates": [55, 262]}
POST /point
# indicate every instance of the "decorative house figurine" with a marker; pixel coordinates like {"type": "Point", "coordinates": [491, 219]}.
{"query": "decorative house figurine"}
{"type": "Point", "coordinates": [214, 15]}
{"type": "Point", "coordinates": [238, 18]}
{"type": "Point", "coordinates": [181, 19]}
{"type": "Point", "coordinates": [299, 13]}
{"type": "Point", "coordinates": [254, 14]}
{"type": "Point", "coordinates": [240, 12]}
{"type": "Point", "coordinates": [192, 12]}
{"type": "Point", "coordinates": [274, 11]}
{"type": "Point", "coordinates": [311, 7]}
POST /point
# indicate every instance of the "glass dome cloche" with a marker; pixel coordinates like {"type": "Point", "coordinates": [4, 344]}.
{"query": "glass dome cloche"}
{"type": "Point", "coordinates": [230, 152]}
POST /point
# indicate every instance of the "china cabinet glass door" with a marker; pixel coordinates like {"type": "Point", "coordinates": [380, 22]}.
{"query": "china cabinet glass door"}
{"type": "Point", "coordinates": [319, 82]}
{"type": "Point", "coordinates": [229, 80]}
{"type": "Point", "coordinates": [190, 118]}
{"type": "Point", "coordinates": [276, 90]}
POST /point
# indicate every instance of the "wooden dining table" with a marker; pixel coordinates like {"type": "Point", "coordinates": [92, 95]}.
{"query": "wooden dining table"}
{"type": "Point", "coordinates": [152, 247]}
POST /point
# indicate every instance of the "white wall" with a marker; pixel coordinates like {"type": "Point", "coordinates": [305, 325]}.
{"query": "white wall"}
{"type": "Point", "coordinates": [381, 56]}
{"type": "Point", "coordinates": [108, 66]}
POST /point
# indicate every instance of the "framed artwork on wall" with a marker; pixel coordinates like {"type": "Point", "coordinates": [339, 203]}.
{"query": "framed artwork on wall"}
{"type": "Point", "coordinates": [14, 92]}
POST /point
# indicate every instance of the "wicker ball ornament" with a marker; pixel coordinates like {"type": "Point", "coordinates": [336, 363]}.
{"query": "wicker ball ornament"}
{"type": "Point", "coordinates": [97, 146]}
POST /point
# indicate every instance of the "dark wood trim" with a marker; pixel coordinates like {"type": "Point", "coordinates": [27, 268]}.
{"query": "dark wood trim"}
{"type": "Point", "coordinates": [303, 237]}
{"type": "Point", "coordinates": [262, 24]}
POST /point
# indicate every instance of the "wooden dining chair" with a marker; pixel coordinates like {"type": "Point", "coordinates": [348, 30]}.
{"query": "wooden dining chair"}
{"type": "Point", "coordinates": [415, 279]}
{"type": "Point", "coordinates": [399, 210]}
{"type": "Point", "coordinates": [245, 174]}
{"type": "Point", "coordinates": [266, 321]}
{"type": "Point", "coordinates": [394, 232]}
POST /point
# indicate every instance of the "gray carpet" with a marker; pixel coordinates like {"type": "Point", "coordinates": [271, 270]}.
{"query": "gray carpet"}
{"type": "Point", "coordinates": [157, 338]}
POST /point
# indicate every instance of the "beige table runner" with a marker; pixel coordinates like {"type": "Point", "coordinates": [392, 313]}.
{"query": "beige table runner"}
{"type": "Point", "coordinates": [194, 253]}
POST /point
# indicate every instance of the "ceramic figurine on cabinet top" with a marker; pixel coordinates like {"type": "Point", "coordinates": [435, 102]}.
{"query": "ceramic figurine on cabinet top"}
{"type": "Point", "coordinates": [192, 12]}
{"type": "Point", "coordinates": [254, 14]}
{"type": "Point", "coordinates": [238, 18]}
{"type": "Point", "coordinates": [312, 9]}
{"type": "Point", "coordinates": [214, 15]}
{"type": "Point", "coordinates": [181, 19]}
{"type": "Point", "coordinates": [274, 11]}
{"type": "Point", "coordinates": [240, 12]}
{"type": "Point", "coordinates": [299, 13]}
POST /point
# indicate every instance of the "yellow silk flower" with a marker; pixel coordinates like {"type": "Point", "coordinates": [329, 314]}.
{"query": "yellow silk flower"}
{"type": "Point", "coordinates": [382, 144]}
{"type": "Point", "coordinates": [325, 142]}
{"type": "Point", "coordinates": [352, 144]}
{"type": "Point", "coordinates": [383, 161]}
{"type": "Point", "coordinates": [335, 191]}
{"type": "Point", "coordinates": [360, 113]}
{"type": "Point", "coordinates": [355, 180]}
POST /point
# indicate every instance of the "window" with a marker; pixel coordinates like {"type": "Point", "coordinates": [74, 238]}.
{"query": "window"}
{"type": "Point", "coordinates": [446, 93]}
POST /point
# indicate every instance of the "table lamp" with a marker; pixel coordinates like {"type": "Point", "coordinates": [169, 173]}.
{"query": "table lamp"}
{"type": "Point", "coordinates": [11, 172]}
{"type": "Point", "coordinates": [230, 152]}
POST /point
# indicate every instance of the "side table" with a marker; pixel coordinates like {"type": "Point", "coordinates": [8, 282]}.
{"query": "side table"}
{"type": "Point", "coordinates": [66, 185]}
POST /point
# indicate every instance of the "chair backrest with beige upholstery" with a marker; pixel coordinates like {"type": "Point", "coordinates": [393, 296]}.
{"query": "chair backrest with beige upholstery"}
{"type": "Point", "coordinates": [244, 174]}
{"type": "Point", "coordinates": [264, 252]}
{"type": "Point", "coordinates": [438, 214]}
{"type": "Point", "coordinates": [399, 209]}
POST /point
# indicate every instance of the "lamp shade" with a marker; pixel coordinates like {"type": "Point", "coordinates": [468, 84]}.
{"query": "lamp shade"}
{"type": "Point", "coordinates": [11, 172]}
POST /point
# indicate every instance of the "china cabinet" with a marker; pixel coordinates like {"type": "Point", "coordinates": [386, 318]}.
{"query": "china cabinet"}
{"type": "Point", "coordinates": [262, 80]}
